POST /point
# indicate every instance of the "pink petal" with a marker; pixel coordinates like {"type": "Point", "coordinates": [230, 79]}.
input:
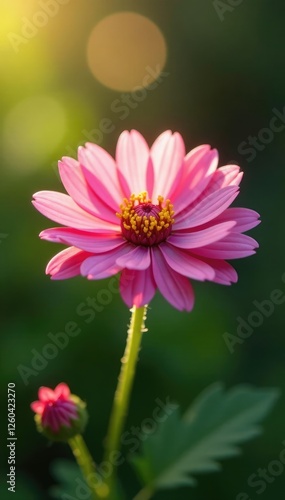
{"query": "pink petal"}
{"type": "Point", "coordinates": [72, 415]}
{"type": "Point", "coordinates": [45, 417]}
{"type": "Point", "coordinates": [38, 407]}
{"type": "Point", "coordinates": [66, 264]}
{"type": "Point", "coordinates": [201, 238]}
{"type": "Point", "coordinates": [69, 408]}
{"type": "Point", "coordinates": [63, 418]}
{"type": "Point", "coordinates": [90, 242]}
{"type": "Point", "coordinates": [138, 258]}
{"type": "Point", "coordinates": [77, 187]}
{"type": "Point", "coordinates": [233, 246]}
{"type": "Point", "coordinates": [229, 175]}
{"type": "Point", "coordinates": [51, 419]}
{"type": "Point", "coordinates": [100, 171]}
{"type": "Point", "coordinates": [62, 391]}
{"type": "Point", "coordinates": [167, 154]}
{"type": "Point", "coordinates": [195, 159]}
{"type": "Point", "coordinates": [200, 164]}
{"type": "Point", "coordinates": [150, 176]}
{"type": "Point", "coordinates": [187, 265]}
{"type": "Point", "coordinates": [206, 209]}
{"type": "Point", "coordinates": [46, 394]}
{"type": "Point", "coordinates": [132, 156]}
{"type": "Point", "coordinates": [225, 274]}
{"type": "Point", "coordinates": [244, 217]}
{"type": "Point", "coordinates": [137, 287]}
{"type": "Point", "coordinates": [102, 266]}
{"type": "Point", "coordinates": [174, 287]}
{"type": "Point", "coordinates": [61, 208]}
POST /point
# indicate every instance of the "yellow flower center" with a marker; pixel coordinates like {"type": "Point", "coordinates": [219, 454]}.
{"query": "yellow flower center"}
{"type": "Point", "coordinates": [144, 223]}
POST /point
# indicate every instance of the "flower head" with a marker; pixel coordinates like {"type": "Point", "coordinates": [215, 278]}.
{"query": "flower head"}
{"type": "Point", "coordinates": [155, 214]}
{"type": "Point", "coordinates": [59, 414]}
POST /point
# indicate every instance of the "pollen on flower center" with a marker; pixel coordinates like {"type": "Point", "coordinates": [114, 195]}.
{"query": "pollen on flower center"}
{"type": "Point", "coordinates": [144, 223]}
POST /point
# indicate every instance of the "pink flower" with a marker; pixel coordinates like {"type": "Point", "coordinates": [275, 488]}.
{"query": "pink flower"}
{"type": "Point", "coordinates": [157, 215]}
{"type": "Point", "coordinates": [55, 408]}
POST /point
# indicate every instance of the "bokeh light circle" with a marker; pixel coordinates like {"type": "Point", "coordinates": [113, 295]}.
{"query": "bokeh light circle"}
{"type": "Point", "coordinates": [125, 51]}
{"type": "Point", "coordinates": [32, 130]}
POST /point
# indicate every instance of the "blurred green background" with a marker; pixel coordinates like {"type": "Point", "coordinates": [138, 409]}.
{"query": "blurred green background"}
{"type": "Point", "coordinates": [225, 76]}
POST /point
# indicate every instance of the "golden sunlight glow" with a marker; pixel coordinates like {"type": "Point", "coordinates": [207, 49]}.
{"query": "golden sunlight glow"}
{"type": "Point", "coordinates": [126, 51]}
{"type": "Point", "coordinates": [32, 130]}
{"type": "Point", "coordinates": [11, 18]}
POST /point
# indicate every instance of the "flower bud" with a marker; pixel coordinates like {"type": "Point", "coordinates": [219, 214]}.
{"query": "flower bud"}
{"type": "Point", "coordinates": [60, 415]}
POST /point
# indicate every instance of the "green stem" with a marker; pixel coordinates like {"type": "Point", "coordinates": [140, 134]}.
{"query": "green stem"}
{"type": "Point", "coordinates": [126, 378]}
{"type": "Point", "coordinates": [86, 464]}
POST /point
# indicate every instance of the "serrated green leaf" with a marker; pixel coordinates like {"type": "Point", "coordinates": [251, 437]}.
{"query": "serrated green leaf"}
{"type": "Point", "coordinates": [211, 430]}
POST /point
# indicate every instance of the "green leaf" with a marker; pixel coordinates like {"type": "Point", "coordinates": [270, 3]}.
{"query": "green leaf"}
{"type": "Point", "coordinates": [66, 472]}
{"type": "Point", "coordinates": [211, 430]}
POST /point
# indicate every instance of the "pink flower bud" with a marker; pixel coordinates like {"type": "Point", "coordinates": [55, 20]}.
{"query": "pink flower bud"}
{"type": "Point", "coordinates": [60, 415]}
